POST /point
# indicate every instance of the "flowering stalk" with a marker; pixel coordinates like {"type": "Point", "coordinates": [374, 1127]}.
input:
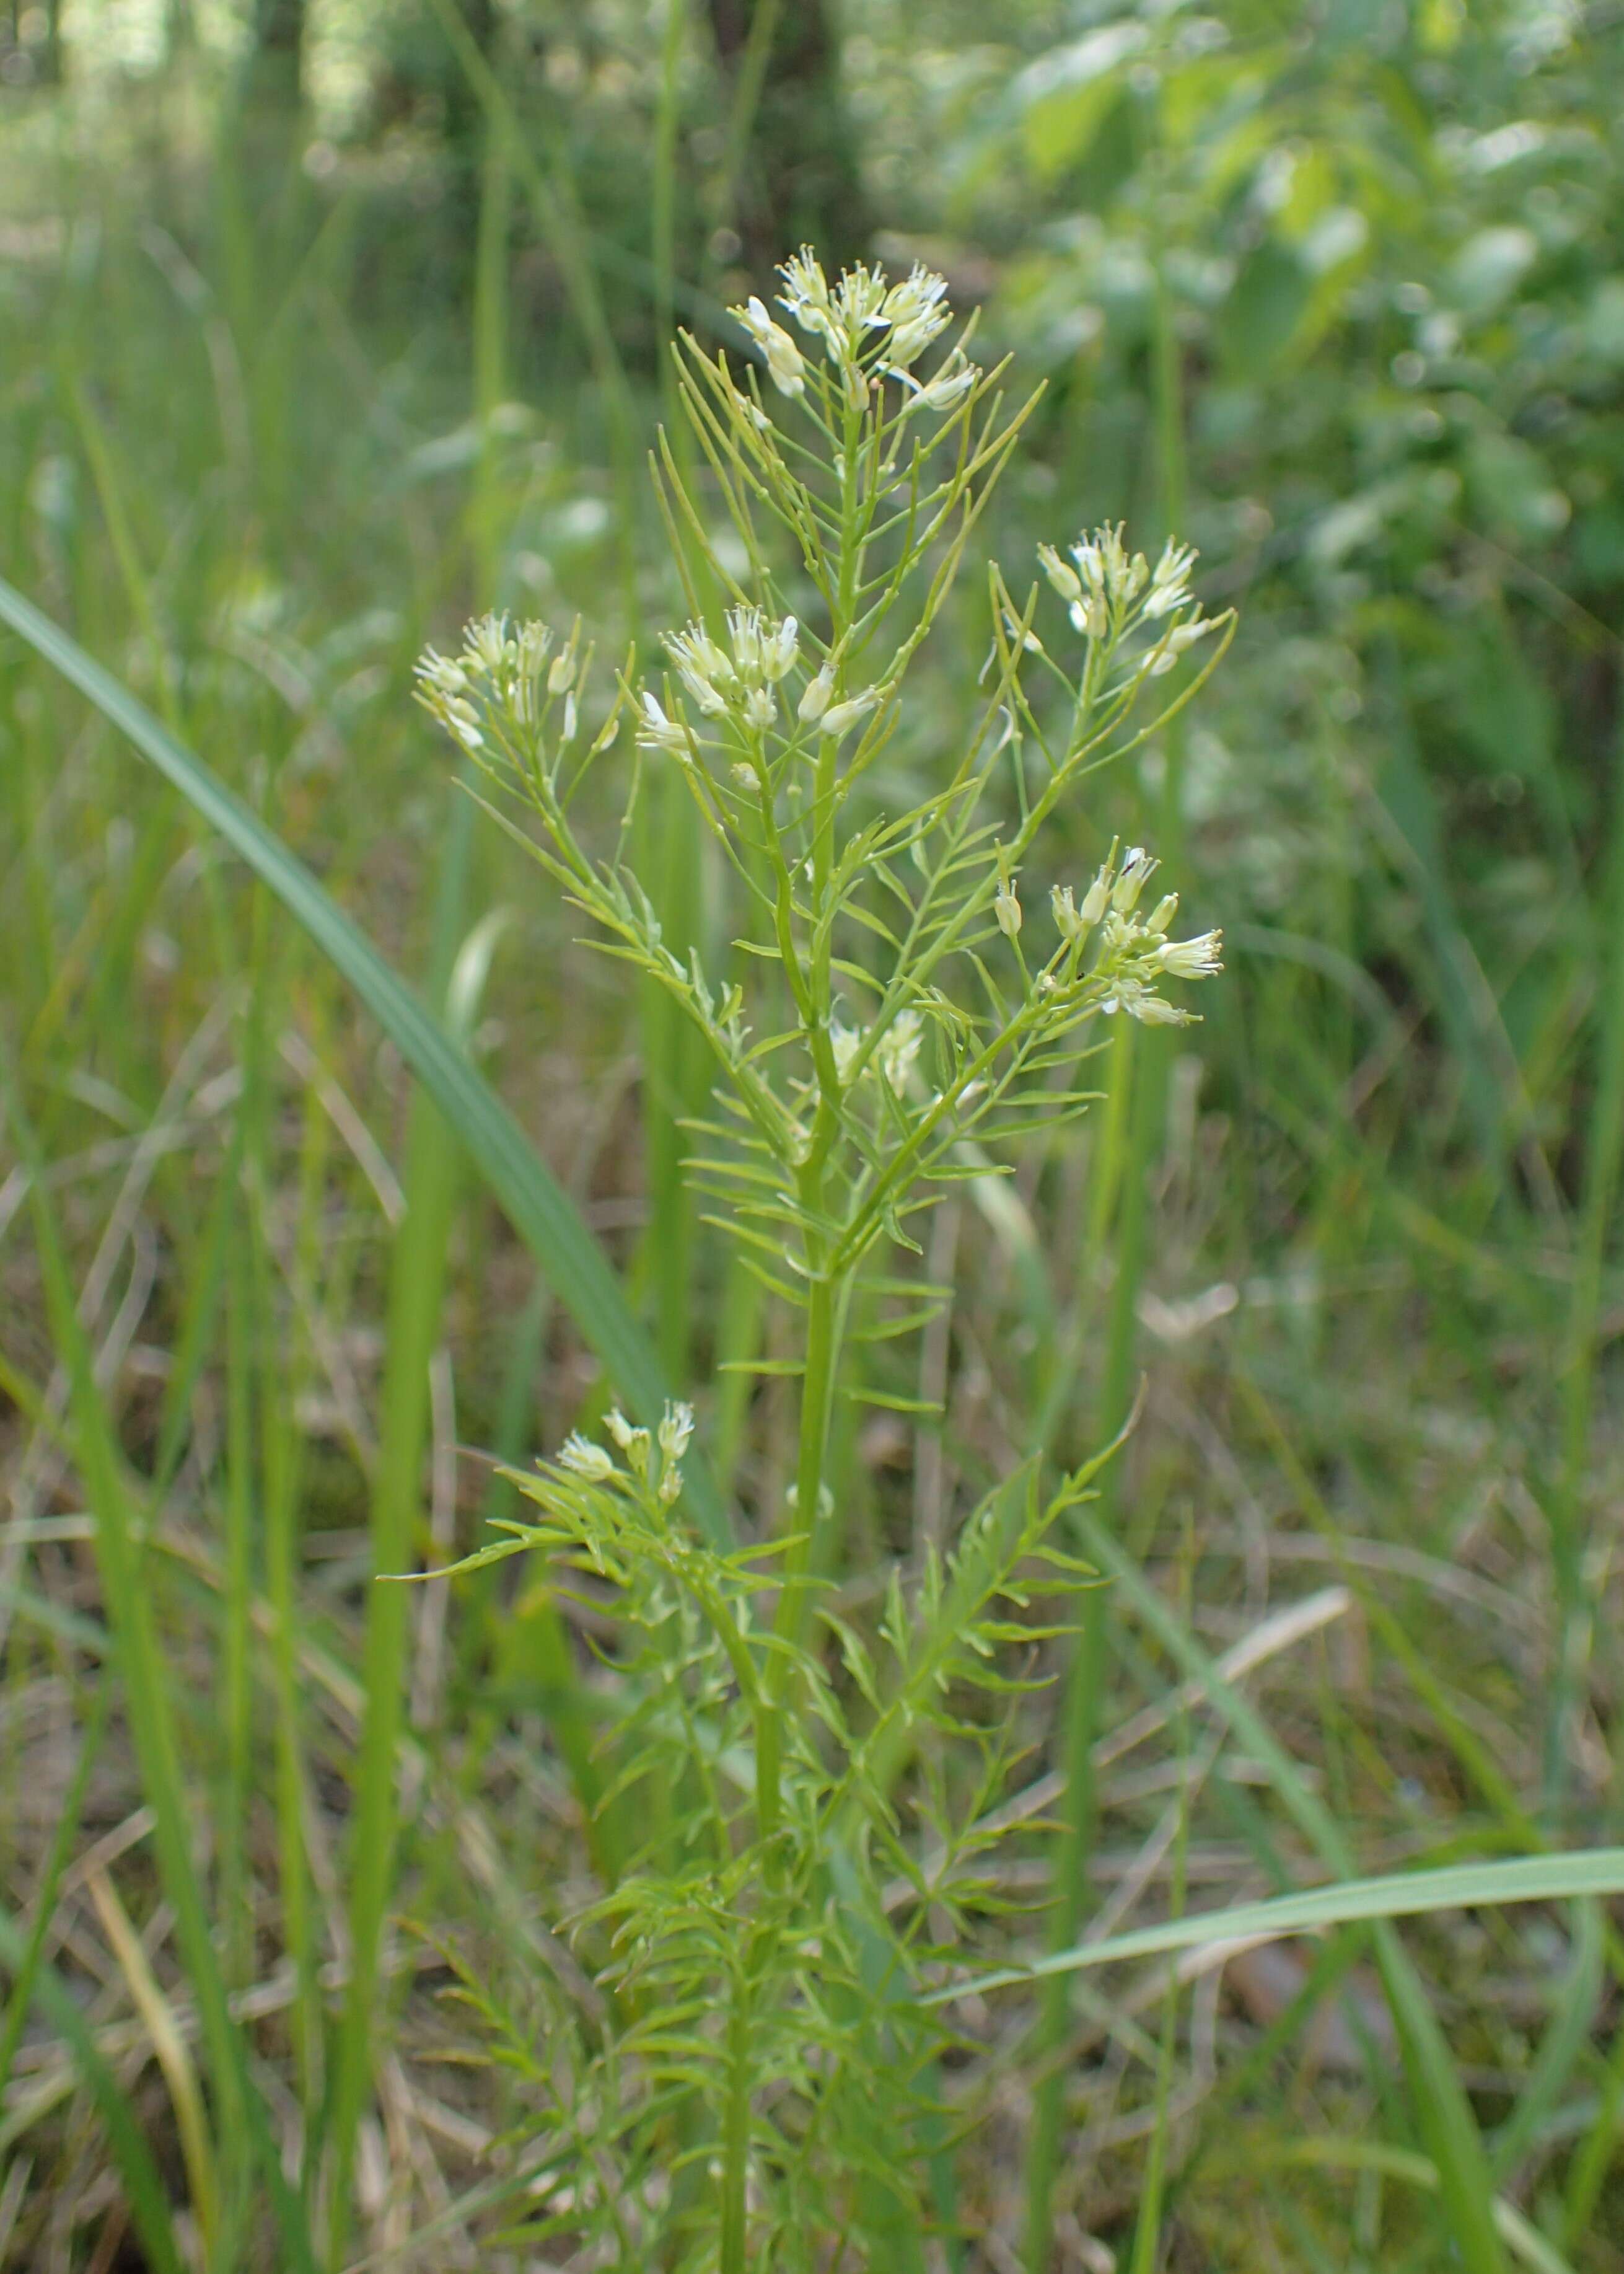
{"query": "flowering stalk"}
{"type": "Point", "coordinates": [930, 1004]}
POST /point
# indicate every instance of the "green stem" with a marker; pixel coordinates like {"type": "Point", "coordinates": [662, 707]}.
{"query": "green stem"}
{"type": "Point", "coordinates": [736, 2135]}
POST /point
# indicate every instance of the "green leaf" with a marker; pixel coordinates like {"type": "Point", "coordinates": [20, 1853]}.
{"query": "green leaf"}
{"type": "Point", "coordinates": [1270, 300]}
{"type": "Point", "coordinates": [538, 1209]}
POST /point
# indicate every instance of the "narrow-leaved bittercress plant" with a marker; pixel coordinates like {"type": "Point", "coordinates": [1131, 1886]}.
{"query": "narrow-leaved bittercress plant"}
{"type": "Point", "coordinates": [763, 2087]}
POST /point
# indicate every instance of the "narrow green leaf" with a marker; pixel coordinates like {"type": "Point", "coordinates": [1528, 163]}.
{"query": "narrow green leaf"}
{"type": "Point", "coordinates": [1396, 1894]}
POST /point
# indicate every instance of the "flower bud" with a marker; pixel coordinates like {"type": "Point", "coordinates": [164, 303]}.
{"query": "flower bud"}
{"type": "Point", "coordinates": [785, 365]}
{"type": "Point", "coordinates": [778, 650]}
{"type": "Point", "coordinates": [1006, 909]}
{"type": "Point", "coordinates": [1135, 871]}
{"type": "Point", "coordinates": [845, 715]}
{"type": "Point", "coordinates": [814, 700]}
{"type": "Point", "coordinates": [585, 1459]}
{"type": "Point", "coordinates": [1061, 575]}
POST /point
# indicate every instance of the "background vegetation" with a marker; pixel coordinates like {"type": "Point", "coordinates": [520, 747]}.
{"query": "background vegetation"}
{"type": "Point", "coordinates": [324, 326]}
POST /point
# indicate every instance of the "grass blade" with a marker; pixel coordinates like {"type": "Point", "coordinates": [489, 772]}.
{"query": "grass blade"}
{"type": "Point", "coordinates": [1395, 1894]}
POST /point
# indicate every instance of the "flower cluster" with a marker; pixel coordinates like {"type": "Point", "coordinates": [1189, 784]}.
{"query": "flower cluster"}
{"type": "Point", "coordinates": [1108, 591]}
{"type": "Point", "coordinates": [868, 327]}
{"type": "Point", "coordinates": [1133, 952]}
{"type": "Point", "coordinates": [499, 669]}
{"type": "Point", "coordinates": [740, 686]}
{"type": "Point", "coordinates": [585, 1458]}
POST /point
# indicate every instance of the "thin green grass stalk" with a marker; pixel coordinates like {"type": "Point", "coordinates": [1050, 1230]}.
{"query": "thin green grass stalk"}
{"type": "Point", "coordinates": [1080, 1721]}
{"type": "Point", "coordinates": [1148, 2227]}
{"type": "Point", "coordinates": [747, 90]}
{"type": "Point", "coordinates": [487, 520]}
{"type": "Point", "coordinates": [283, 1441]}
{"type": "Point", "coordinates": [416, 1284]}
{"type": "Point", "coordinates": [557, 208]}
{"type": "Point", "coordinates": [126, 552]}
{"type": "Point", "coordinates": [236, 1634]}
{"type": "Point", "coordinates": [662, 184]}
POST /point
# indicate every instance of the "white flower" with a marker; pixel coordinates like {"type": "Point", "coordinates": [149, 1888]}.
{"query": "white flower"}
{"type": "Point", "coordinates": [1191, 959]}
{"type": "Point", "coordinates": [744, 629]}
{"type": "Point", "coordinates": [1096, 899]}
{"type": "Point", "coordinates": [950, 386]}
{"type": "Point", "coordinates": [1006, 909]}
{"type": "Point", "coordinates": [915, 311]}
{"type": "Point", "coordinates": [805, 296]}
{"type": "Point", "coordinates": [1068, 923]}
{"type": "Point", "coordinates": [760, 710]}
{"type": "Point", "coordinates": [657, 732]}
{"type": "Point", "coordinates": [704, 669]}
{"type": "Point", "coordinates": [899, 1048]}
{"type": "Point", "coordinates": [462, 720]}
{"type": "Point", "coordinates": [675, 1430]}
{"type": "Point", "coordinates": [1137, 867]}
{"type": "Point", "coordinates": [778, 650]}
{"type": "Point", "coordinates": [1173, 642]}
{"type": "Point", "coordinates": [633, 1442]}
{"type": "Point", "coordinates": [909, 341]}
{"type": "Point", "coordinates": [845, 715]}
{"type": "Point", "coordinates": [561, 677]}
{"type": "Point", "coordinates": [814, 700]}
{"type": "Point", "coordinates": [440, 675]}
{"type": "Point", "coordinates": [484, 643]}
{"type": "Point", "coordinates": [529, 648]}
{"type": "Point", "coordinates": [586, 1459]}
{"type": "Point", "coordinates": [845, 1042]}
{"type": "Point", "coordinates": [1108, 572]}
{"type": "Point", "coordinates": [784, 358]}
{"type": "Point", "coordinates": [1169, 582]}
{"type": "Point", "coordinates": [860, 300]}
